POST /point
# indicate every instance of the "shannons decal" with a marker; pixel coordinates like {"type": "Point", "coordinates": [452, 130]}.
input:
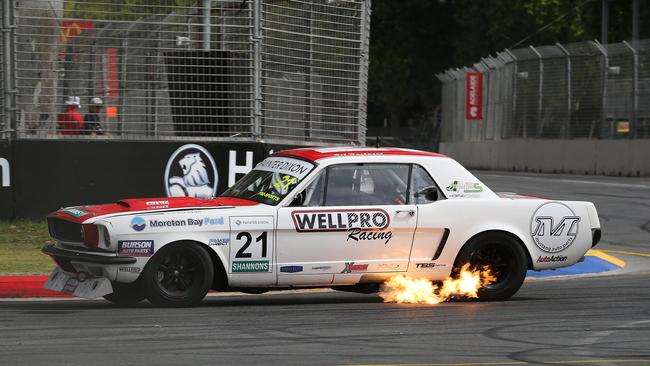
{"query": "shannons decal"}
{"type": "Point", "coordinates": [250, 266]}
{"type": "Point", "coordinates": [554, 227]}
{"type": "Point", "coordinates": [360, 224]}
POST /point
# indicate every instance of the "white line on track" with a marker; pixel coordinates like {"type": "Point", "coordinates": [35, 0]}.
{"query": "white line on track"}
{"type": "Point", "coordinates": [609, 184]}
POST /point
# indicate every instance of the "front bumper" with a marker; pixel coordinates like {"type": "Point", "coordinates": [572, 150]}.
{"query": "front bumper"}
{"type": "Point", "coordinates": [61, 256]}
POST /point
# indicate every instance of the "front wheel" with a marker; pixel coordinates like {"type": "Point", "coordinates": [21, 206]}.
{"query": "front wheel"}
{"type": "Point", "coordinates": [506, 258]}
{"type": "Point", "coordinates": [179, 275]}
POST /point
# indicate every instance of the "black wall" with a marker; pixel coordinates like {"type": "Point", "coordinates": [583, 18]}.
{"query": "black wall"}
{"type": "Point", "coordinates": [47, 175]}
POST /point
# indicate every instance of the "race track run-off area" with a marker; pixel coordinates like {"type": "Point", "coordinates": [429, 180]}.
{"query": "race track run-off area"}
{"type": "Point", "coordinates": [565, 318]}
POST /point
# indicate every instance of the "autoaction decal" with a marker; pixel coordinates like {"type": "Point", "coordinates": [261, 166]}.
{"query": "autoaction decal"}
{"type": "Point", "coordinates": [553, 258]}
{"type": "Point", "coordinates": [294, 167]}
{"type": "Point", "coordinates": [250, 266]}
{"type": "Point", "coordinates": [554, 227]}
{"type": "Point", "coordinates": [291, 269]}
{"type": "Point", "coordinates": [135, 248]}
{"type": "Point", "coordinates": [360, 224]}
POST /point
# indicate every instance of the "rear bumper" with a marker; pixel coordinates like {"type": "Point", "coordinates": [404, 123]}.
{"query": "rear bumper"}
{"type": "Point", "coordinates": [65, 255]}
{"type": "Point", "coordinates": [595, 236]}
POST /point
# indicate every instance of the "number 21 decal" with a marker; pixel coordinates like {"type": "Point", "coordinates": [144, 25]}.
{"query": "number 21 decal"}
{"type": "Point", "coordinates": [262, 238]}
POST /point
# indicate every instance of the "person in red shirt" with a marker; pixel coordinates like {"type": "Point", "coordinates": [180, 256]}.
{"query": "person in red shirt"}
{"type": "Point", "coordinates": [70, 121]}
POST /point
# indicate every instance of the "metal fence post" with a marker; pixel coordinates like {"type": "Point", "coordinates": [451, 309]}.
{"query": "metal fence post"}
{"type": "Point", "coordinates": [8, 38]}
{"type": "Point", "coordinates": [257, 70]}
{"type": "Point", "coordinates": [540, 92]}
{"type": "Point", "coordinates": [567, 128]}
{"type": "Point", "coordinates": [514, 92]}
{"type": "Point", "coordinates": [635, 91]}
{"type": "Point", "coordinates": [363, 67]}
{"type": "Point", "coordinates": [605, 69]}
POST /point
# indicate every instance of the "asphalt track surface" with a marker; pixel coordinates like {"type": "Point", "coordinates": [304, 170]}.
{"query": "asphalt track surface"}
{"type": "Point", "coordinates": [601, 320]}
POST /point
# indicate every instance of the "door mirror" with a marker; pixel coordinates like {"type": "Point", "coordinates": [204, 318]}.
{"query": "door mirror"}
{"type": "Point", "coordinates": [429, 193]}
{"type": "Point", "coordinates": [298, 199]}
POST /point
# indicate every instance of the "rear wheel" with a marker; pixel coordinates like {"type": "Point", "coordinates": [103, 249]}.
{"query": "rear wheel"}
{"type": "Point", "coordinates": [506, 258]}
{"type": "Point", "coordinates": [126, 294]}
{"type": "Point", "coordinates": [179, 275]}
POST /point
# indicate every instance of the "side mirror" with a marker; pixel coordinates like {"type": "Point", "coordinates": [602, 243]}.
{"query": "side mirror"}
{"type": "Point", "coordinates": [430, 193]}
{"type": "Point", "coordinates": [298, 199]}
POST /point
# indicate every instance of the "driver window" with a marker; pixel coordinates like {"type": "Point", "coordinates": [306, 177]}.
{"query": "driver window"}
{"type": "Point", "coordinates": [420, 179]}
{"type": "Point", "coordinates": [313, 194]}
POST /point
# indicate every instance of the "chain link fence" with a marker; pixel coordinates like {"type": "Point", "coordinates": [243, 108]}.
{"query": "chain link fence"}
{"type": "Point", "coordinates": [250, 70]}
{"type": "Point", "coordinates": [578, 90]}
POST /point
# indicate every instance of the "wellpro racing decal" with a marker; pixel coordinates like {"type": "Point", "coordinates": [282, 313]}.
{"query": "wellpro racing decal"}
{"type": "Point", "coordinates": [360, 224]}
{"type": "Point", "coordinates": [554, 227]}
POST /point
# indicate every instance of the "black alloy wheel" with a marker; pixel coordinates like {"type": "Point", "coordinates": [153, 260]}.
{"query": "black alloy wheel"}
{"type": "Point", "coordinates": [179, 275]}
{"type": "Point", "coordinates": [506, 259]}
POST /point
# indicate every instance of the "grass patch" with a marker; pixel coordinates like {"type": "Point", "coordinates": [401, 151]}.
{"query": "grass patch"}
{"type": "Point", "coordinates": [20, 248]}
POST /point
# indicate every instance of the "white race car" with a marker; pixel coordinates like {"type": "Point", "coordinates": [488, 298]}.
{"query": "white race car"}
{"type": "Point", "coordinates": [345, 218]}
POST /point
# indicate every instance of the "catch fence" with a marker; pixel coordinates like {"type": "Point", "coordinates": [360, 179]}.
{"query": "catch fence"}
{"type": "Point", "coordinates": [251, 70]}
{"type": "Point", "coordinates": [580, 90]}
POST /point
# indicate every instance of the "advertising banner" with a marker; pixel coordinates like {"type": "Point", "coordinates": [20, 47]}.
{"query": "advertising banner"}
{"type": "Point", "coordinates": [474, 96]}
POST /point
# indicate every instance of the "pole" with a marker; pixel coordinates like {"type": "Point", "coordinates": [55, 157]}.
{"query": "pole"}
{"type": "Point", "coordinates": [540, 92]}
{"type": "Point", "coordinates": [567, 128]}
{"type": "Point", "coordinates": [604, 22]}
{"type": "Point", "coordinates": [8, 29]}
{"type": "Point", "coordinates": [635, 20]}
{"type": "Point", "coordinates": [603, 112]}
{"type": "Point", "coordinates": [206, 9]}
{"type": "Point", "coordinates": [257, 70]}
{"type": "Point", "coordinates": [635, 91]}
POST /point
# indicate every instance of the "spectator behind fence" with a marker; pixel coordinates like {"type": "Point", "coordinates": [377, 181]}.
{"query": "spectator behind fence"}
{"type": "Point", "coordinates": [70, 121]}
{"type": "Point", "coordinates": [91, 125]}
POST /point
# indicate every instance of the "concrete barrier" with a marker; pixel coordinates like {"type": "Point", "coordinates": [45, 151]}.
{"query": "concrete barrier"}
{"type": "Point", "coordinates": [593, 157]}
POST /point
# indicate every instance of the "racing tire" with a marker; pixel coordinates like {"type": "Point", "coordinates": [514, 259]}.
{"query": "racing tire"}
{"type": "Point", "coordinates": [505, 256]}
{"type": "Point", "coordinates": [179, 275]}
{"type": "Point", "coordinates": [126, 294]}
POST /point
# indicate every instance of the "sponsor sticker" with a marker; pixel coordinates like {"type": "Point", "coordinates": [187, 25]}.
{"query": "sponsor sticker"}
{"type": "Point", "coordinates": [388, 266]}
{"type": "Point", "coordinates": [428, 265]}
{"type": "Point", "coordinates": [554, 227]}
{"type": "Point", "coordinates": [76, 212]}
{"type": "Point", "coordinates": [129, 269]}
{"type": "Point", "coordinates": [361, 225]}
{"type": "Point", "coordinates": [553, 258]}
{"type": "Point", "coordinates": [138, 223]}
{"type": "Point", "coordinates": [205, 221]}
{"type": "Point", "coordinates": [293, 167]}
{"type": "Point", "coordinates": [218, 241]}
{"type": "Point", "coordinates": [250, 266]}
{"type": "Point", "coordinates": [291, 269]}
{"type": "Point", "coordinates": [154, 205]}
{"type": "Point", "coordinates": [135, 248]}
{"type": "Point", "coordinates": [321, 268]}
{"type": "Point", "coordinates": [463, 189]}
{"type": "Point", "coordinates": [352, 267]}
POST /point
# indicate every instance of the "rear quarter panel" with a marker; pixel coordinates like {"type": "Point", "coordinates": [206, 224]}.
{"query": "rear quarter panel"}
{"type": "Point", "coordinates": [467, 218]}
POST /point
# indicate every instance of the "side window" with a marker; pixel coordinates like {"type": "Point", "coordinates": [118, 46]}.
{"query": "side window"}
{"type": "Point", "coordinates": [420, 179]}
{"type": "Point", "coordinates": [367, 184]}
{"type": "Point", "coordinates": [314, 193]}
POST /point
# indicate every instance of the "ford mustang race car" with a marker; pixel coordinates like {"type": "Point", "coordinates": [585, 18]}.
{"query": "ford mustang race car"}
{"type": "Point", "coordinates": [345, 218]}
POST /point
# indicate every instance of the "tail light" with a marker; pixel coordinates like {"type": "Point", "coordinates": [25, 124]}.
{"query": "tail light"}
{"type": "Point", "coordinates": [91, 235]}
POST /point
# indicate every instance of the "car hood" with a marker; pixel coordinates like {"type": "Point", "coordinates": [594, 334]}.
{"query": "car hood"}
{"type": "Point", "coordinates": [80, 214]}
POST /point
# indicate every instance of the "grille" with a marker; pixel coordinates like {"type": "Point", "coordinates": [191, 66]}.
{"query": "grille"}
{"type": "Point", "coordinates": [65, 230]}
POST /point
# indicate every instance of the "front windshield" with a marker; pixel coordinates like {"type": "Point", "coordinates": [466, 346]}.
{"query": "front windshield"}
{"type": "Point", "coordinates": [271, 180]}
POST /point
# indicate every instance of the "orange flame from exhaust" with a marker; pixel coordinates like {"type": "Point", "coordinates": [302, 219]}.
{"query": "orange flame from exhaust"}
{"type": "Point", "coordinates": [404, 289]}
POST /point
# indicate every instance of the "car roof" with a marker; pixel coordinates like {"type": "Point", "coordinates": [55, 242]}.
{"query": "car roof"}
{"type": "Point", "coordinates": [314, 154]}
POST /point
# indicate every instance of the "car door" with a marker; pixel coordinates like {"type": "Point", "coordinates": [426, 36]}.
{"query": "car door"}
{"type": "Point", "coordinates": [354, 219]}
